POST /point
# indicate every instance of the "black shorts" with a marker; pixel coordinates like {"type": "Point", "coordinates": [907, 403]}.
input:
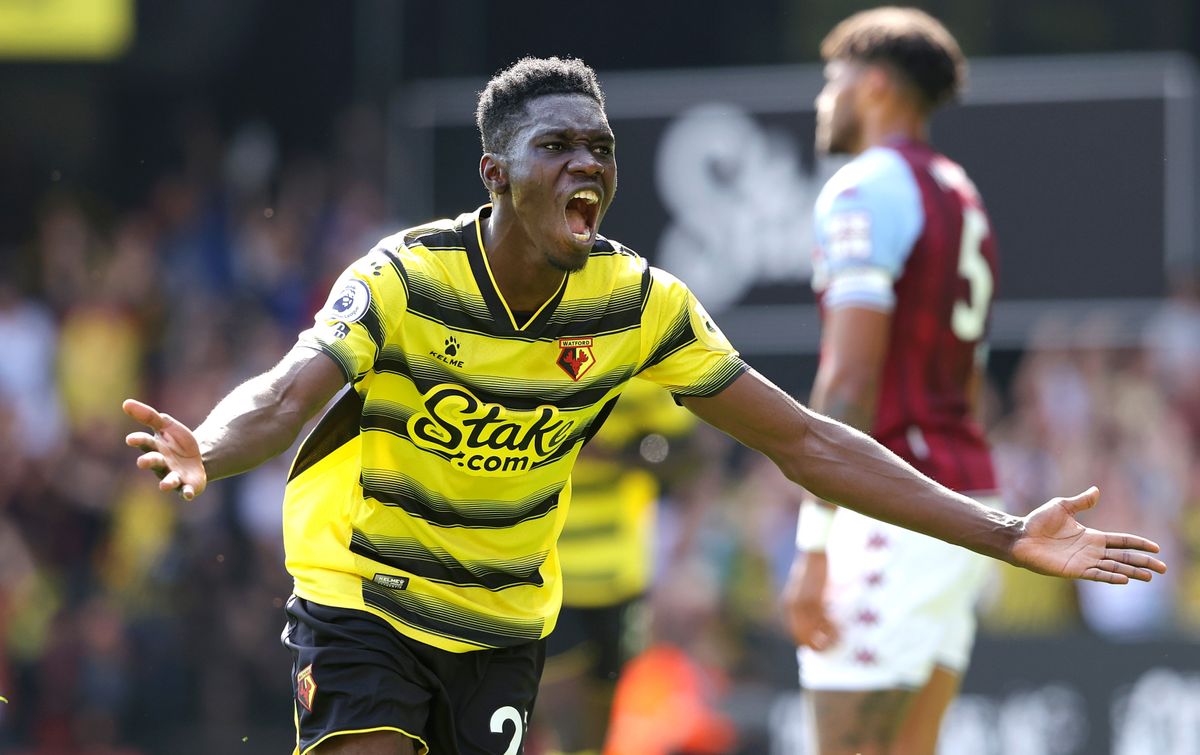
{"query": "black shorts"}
{"type": "Point", "coordinates": [352, 672]}
{"type": "Point", "coordinates": [596, 642]}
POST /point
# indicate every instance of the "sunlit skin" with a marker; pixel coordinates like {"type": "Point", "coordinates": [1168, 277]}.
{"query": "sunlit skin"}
{"type": "Point", "coordinates": [563, 145]}
{"type": "Point", "coordinates": [864, 104]}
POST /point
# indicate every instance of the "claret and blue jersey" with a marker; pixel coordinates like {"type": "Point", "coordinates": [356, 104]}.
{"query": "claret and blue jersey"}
{"type": "Point", "coordinates": [901, 229]}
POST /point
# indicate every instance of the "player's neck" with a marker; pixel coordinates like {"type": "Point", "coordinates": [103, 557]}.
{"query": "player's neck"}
{"type": "Point", "coordinates": [902, 126]}
{"type": "Point", "coordinates": [522, 275]}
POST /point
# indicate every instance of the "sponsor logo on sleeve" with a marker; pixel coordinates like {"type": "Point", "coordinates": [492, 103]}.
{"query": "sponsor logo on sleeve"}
{"type": "Point", "coordinates": [849, 236]}
{"type": "Point", "coordinates": [705, 329]}
{"type": "Point", "coordinates": [348, 302]}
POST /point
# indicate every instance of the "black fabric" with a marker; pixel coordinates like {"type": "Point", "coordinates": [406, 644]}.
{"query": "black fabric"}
{"type": "Point", "coordinates": [368, 676]}
{"type": "Point", "coordinates": [609, 635]}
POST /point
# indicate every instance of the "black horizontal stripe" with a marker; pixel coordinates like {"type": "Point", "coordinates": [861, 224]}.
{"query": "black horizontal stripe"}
{"type": "Point", "coordinates": [615, 321]}
{"type": "Point", "coordinates": [574, 533]}
{"type": "Point", "coordinates": [715, 380]}
{"type": "Point", "coordinates": [433, 295]}
{"type": "Point", "coordinates": [391, 415]}
{"type": "Point", "coordinates": [511, 393]}
{"type": "Point", "coordinates": [411, 556]}
{"type": "Point", "coordinates": [341, 354]}
{"type": "Point", "coordinates": [453, 316]}
{"type": "Point", "coordinates": [603, 576]}
{"type": "Point", "coordinates": [433, 237]}
{"type": "Point", "coordinates": [435, 617]}
{"type": "Point", "coordinates": [403, 492]}
{"type": "Point", "coordinates": [678, 335]}
{"type": "Point", "coordinates": [529, 395]}
{"type": "Point", "coordinates": [394, 360]}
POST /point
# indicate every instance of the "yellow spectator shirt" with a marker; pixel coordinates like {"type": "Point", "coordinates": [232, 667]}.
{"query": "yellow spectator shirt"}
{"type": "Point", "coordinates": [606, 546]}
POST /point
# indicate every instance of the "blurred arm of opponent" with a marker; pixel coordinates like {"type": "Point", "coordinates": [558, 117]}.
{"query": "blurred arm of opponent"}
{"type": "Point", "coordinates": [258, 420]}
{"type": "Point", "coordinates": [854, 346]}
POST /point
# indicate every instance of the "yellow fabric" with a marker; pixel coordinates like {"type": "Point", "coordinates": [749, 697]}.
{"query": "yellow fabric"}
{"type": "Point", "coordinates": [438, 506]}
{"type": "Point", "coordinates": [605, 548]}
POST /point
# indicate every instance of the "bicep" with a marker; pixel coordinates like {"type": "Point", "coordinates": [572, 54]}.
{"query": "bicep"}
{"type": "Point", "coordinates": [757, 413]}
{"type": "Point", "coordinates": [854, 343]}
{"type": "Point", "coordinates": [306, 379]}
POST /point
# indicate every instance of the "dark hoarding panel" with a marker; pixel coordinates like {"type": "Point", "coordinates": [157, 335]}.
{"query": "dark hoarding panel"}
{"type": "Point", "coordinates": [1086, 165]}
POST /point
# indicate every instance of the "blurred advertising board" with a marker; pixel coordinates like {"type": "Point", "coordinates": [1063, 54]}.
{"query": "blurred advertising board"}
{"type": "Point", "coordinates": [1088, 166]}
{"type": "Point", "coordinates": [1068, 695]}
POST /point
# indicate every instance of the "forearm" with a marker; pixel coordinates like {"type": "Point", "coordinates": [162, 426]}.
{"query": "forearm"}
{"type": "Point", "coordinates": [262, 417]}
{"type": "Point", "coordinates": [849, 407]}
{"type": "Point", "coordinates": [843, 466]}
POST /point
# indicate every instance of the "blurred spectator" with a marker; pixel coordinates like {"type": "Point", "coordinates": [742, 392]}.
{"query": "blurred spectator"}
{"type": "Point", "coordinates": [1173, 341]}
{"type": "Point", "coordinates": [29, 335]}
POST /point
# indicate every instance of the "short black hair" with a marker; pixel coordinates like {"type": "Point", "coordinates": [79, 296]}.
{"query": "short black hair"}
{"type": "Point", "coordinates": [503, 100]}
{"type": "Point", "coordinates": [910, 42]}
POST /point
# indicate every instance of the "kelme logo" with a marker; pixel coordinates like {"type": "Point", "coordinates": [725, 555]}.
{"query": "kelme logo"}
{"type": "Point", "coordinates": [486, 439]}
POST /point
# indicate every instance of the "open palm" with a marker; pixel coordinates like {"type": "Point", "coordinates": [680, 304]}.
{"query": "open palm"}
{"type": "Point", "coordinates": [172, 452]}
{"type": "Point", "coordinates": [1055, 543]}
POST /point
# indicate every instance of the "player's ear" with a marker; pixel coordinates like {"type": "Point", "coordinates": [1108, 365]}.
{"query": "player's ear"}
{"type": "Point", "coordinates": [493, 173]}
{"type": "Point", "coordinates": [881, 84]}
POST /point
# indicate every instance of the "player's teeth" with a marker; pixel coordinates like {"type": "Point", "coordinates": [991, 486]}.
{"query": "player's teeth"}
{"type": "Point", "coordinates": [581, 236]}
{"type": "Point", "coordinates": [587, 195]}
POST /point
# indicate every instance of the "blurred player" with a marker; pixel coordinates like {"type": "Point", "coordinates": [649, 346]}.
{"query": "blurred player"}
{"type": "Point", "coordinates": [606, 555]}
{"type": "Point", "coordinates": [471, 359]}
{"type": "Point", "coordinates": [905, 268]}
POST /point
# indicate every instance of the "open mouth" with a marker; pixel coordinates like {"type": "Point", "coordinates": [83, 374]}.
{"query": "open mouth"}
{"type": "Point", "coordinates": [580, 212]}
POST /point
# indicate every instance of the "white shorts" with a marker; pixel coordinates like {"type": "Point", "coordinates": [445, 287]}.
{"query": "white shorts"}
{"type": "Point", "coordinates": [903, 603]}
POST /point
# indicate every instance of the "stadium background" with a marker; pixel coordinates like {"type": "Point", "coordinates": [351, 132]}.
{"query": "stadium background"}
{"type": "Point", "coordinates": [181, 181]}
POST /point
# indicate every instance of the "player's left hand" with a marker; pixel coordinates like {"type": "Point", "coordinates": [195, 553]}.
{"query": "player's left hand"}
{"type": "Point", "coordinates": [803, 602]}
{"type": "Point", "coordinates": [1054, 543]}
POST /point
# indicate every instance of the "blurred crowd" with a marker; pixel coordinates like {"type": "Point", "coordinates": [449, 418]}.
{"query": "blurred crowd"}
{"type": "Point", "coordinates": [131, 622]}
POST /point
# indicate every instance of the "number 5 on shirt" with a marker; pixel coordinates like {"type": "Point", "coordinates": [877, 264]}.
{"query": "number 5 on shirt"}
{"type": "Point", "coordinates": [970, 316]}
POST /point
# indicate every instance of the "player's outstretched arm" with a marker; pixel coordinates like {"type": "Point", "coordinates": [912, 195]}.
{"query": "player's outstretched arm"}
{"type": "Point", "coordinates": [257, 420]}
{"type": "Point", "coordinates": [846, 467]}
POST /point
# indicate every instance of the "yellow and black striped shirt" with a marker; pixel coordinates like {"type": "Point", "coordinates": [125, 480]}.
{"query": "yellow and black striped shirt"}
{"type": "Point", "coordinates": [433, 491]}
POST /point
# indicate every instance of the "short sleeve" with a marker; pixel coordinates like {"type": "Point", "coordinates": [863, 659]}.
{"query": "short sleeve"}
{"type": "Point", "coordinates": [365, 305]}
{"type": "Point", "coordinates": [867, 219]}
{"type": "Point", "coordinates": [685, 351]}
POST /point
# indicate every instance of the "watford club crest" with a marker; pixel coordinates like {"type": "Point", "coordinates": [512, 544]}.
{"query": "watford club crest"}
{"type": "Point", "coordinates": [575, 357]}
{"type": "Point", "coordinates": [306, 687]}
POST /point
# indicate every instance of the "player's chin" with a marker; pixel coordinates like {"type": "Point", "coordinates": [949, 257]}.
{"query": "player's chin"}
{"type": "Point", "coordinates": [571, 260]}
{"type": "Point", "coordinates": [572, 251]}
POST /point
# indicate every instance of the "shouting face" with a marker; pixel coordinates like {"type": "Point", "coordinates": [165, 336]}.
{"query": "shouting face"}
{"type": "Point", "coordinates": [559, 176]}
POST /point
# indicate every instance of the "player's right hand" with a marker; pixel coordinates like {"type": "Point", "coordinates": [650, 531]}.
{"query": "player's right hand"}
{"type": "Point", "coordinates": [171, 453]}
{"type": "Point", "coordinates": [804, 603]}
